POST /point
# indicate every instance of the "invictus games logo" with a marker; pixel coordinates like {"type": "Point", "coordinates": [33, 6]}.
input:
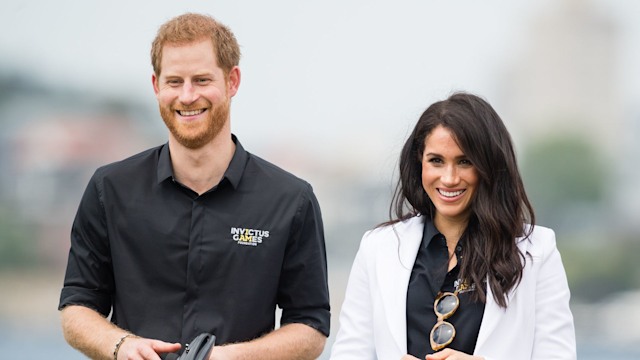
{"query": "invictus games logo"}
{"type": "Point", "coordinates": [251, 237]}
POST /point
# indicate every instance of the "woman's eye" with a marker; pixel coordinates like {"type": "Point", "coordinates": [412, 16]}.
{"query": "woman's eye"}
{"type": "Point", "coordinates": [465, 162]}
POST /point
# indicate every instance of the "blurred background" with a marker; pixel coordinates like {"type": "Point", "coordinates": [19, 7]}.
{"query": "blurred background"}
{"type": "Point", "coordinates": [330, 90]}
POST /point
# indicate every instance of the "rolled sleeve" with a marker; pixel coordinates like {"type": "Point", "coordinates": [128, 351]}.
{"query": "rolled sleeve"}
{"type": "Point", "coordinates": [88, 279]}
{"type": "Point", "coordinates": [303, 294]}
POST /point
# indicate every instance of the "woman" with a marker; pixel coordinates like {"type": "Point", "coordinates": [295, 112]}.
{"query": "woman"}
{"type": "Point", "coordinates": [460, 272]}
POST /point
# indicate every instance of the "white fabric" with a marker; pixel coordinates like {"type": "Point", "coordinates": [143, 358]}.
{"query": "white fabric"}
{"type": "Point", "coordinates": [537, 323]}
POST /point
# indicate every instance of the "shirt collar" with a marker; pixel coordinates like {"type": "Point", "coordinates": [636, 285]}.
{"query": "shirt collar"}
{"type": "Point", "coordinates": [237, 165]}
{"type": "Point", "coordinates": [233, 174]}
{"type": "Point", "coordinates": [165, 170]}
{"type": "Point", "coordinates": [429, 232]}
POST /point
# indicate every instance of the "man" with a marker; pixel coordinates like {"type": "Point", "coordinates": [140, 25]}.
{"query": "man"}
{"type": "Point", "coordinates": [196, 235]}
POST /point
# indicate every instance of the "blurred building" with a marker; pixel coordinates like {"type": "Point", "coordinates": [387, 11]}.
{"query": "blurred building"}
{"type": "Point", "coordinates": [564, 78]}
{"type": "Point", "coordinates": [53, 140]}
{"type": "Point", "coordinates": [567, 80]}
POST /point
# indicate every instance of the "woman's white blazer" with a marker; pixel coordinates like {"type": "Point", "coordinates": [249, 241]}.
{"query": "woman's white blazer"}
{"type": "Point", "coordinates": [537, 323]}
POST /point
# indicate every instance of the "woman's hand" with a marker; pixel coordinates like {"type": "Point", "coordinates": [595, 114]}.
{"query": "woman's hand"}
{"type": "Point", "coordinates": [409, 357]}
{"type": "Point", "coordinates": [448, 354]}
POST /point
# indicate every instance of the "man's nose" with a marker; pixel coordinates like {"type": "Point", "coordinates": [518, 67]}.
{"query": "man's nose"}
{"type": "Point", "coordinates": [188, 94]}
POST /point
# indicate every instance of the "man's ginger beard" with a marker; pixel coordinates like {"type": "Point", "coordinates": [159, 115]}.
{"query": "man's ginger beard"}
{"type": "Point", "coordinates": [195, 135]}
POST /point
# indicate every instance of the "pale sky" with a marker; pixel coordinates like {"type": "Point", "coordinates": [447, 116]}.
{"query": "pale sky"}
{"type": "Point", "coordinates": [355, 74]}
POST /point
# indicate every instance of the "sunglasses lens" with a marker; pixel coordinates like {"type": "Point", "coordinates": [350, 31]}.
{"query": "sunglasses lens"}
{"type": "Point", "coordinates": [446, 305]}
{"type": "Point", "coordinates": [443, 334]}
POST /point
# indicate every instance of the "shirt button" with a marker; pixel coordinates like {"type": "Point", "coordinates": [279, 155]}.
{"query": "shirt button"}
{"type": "Point", "coordinates": [458, 248]}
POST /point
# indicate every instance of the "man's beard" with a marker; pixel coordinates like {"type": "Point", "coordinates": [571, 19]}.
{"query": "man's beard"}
{"type": "Point", "coordinates": [196, 135]}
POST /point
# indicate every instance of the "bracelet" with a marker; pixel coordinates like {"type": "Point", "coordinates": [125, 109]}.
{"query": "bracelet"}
{"type": "Point", "coordinates": [118, 344]}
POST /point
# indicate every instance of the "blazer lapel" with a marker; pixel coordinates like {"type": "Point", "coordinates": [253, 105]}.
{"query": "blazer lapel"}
{"type": "Point", "coordinates": [493, 313]}
{"type": "Point", "coordinates": [394, 258]}
{"type": "Point", "coordinates": [492, 316]}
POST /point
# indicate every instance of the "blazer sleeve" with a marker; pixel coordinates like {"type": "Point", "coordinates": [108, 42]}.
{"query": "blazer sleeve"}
{"type": "Point", "coordinates": [355, 338]}
{"type": "Point", "coordinates": [554, 334]}
{"type": "Point", "coordinates": [537, 323]}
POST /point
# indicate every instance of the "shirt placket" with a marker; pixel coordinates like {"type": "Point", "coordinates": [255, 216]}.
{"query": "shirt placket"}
{"type": "Point", "coordinates": [194, 266]}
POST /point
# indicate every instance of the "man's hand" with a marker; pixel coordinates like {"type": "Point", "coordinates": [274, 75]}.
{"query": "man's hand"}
{"type": "Point", "coordinates": [291, 341]}
{"type": "Point", "coordinates": [96, 337]}
{"type": "Point", "coordinates": [134, 348]}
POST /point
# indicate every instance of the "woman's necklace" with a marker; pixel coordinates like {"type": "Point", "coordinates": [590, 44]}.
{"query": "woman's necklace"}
{"type": "Point", "coordinates": [453, 253]}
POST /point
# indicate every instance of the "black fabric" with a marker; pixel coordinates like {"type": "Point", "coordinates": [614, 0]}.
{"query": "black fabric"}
{"type": "Point", "coordinates": [199, 348]}
{"type": "Point", "coordinates": [169, 264]}
{"type": "Point", "coordinates": [429, 276]}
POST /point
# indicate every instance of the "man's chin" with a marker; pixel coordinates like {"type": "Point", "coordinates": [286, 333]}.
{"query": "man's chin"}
{"type": "Point", "coordinates": [195, 141]}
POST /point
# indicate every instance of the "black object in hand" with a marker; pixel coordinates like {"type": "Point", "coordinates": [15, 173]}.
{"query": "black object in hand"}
{"type": "Point", "coordinates": [199, 348]}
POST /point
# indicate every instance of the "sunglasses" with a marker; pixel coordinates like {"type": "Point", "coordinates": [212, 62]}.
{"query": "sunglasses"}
{"type": "Point", "coordinates": [443, 332]}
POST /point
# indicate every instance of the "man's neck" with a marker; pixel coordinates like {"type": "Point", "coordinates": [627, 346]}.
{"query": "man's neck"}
{"type": "Point", "coordinates": [202, 169]}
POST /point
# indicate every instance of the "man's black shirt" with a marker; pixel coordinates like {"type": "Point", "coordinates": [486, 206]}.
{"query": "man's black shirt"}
{"type": "Point", "coordinates": [170, 264]}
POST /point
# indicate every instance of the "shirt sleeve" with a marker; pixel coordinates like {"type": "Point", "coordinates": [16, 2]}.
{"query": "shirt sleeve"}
{"type": "Point", "coordinates": [89, 277]}
{"type": "Point", "coordinates": [303, 293]}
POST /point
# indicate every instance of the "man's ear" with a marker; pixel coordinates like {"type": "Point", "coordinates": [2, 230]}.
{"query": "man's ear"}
{"type": "Point", "coordinates": [154, 81]}
{"type": "Point", "coordinates": [233, 82]}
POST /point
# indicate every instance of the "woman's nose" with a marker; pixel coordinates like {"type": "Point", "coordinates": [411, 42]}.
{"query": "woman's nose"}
{"type": "Point", "coordinates": [450, 176]}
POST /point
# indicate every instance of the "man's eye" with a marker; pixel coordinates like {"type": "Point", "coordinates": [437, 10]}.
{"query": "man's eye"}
{"type": "Point", "coordinates": [203, 81]}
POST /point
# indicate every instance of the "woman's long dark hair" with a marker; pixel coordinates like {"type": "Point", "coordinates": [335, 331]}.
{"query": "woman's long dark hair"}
{"type": "Point", "coordinates": [500, 207]}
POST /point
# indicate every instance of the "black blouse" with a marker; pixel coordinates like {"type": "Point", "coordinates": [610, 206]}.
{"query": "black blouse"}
{"type": "Point", "coordinates": [428, 277]}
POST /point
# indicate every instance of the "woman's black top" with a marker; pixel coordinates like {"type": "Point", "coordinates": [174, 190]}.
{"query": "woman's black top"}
{"type": "Point", "coordinates": [429, 277]}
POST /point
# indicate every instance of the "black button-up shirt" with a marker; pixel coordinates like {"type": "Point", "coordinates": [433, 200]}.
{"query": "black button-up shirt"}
{"type": "Point", "coordinates": [430, 276]}
{"type": "Point", "coordinates": [170, 264]}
